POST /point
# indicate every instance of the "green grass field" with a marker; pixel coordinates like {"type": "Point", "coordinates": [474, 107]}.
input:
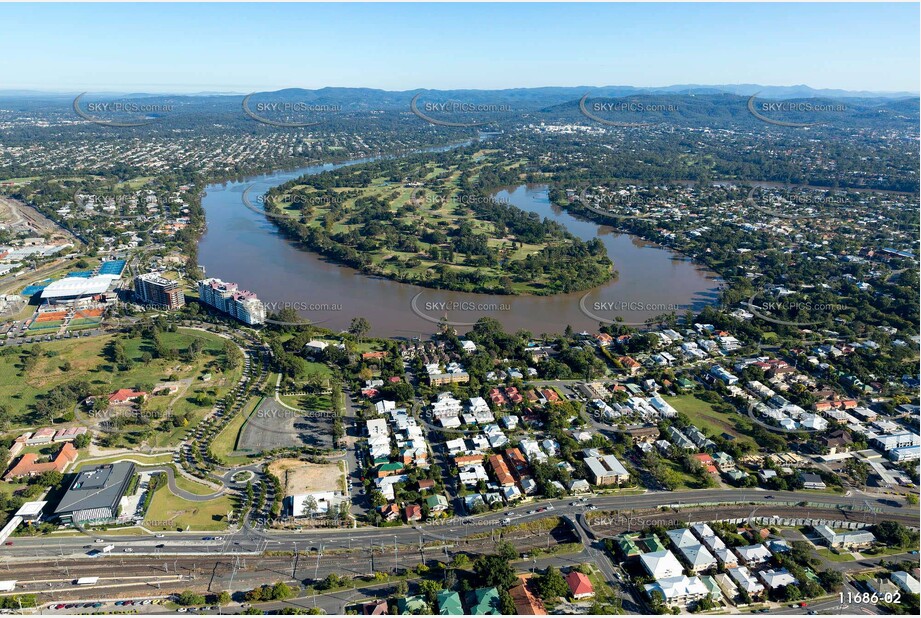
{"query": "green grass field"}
{"type": "Point", "coordinates": [21, 388]}
{"type": "Point", "coordinates": [833, 557]}
{"type": "Point", "coordinates": [169, 512]}
{"type": "Point", "coordinates": [433, 208]}
{"type": "Point", "coordinates": [226, 442]}
{"type": "Point", "coordinates": [162, 458]}
{"type": "Point", "coordinates": [193, 487]}
{"type": "Point", "coordinates": [706, 418]}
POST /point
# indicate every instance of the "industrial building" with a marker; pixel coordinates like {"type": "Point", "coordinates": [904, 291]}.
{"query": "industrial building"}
{"type": "Point", "coordinates": [95, 493]}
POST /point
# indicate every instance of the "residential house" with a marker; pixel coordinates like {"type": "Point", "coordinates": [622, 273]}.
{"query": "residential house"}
{"type": "Point", "coordinates": [526, 602]}
{"type": "Point", "coordinates": [777, 578]}
{"type": "Point", "coordinates": [437, 503]}
{"type": "Point", "coordinates": [484, 601]}
{"type": "Point", "coordinates": [746, 581]}
{"type": "Point", "coordinates": [753, 554]}
{"type": "Point", "coordinates": [661, 564]}
{"type": "Point", "coordinates": [678, 590]}
{"type": "Point", "coordinates": [579, 585]}
{"type": "Point", "coordinates": [449, 603]}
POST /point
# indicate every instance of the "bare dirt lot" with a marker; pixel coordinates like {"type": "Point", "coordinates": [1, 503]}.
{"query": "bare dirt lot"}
{"type": "Point", "coordinates": [298, 477]}
{"type": "Point", "coordinates": [23, 218]}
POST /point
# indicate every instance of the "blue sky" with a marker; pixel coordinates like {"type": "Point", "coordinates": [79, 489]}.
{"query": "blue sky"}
{"type": "Point", "coordinates": [247, 47]}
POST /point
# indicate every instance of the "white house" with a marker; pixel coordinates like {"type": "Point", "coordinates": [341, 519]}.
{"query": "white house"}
{"type": "Point", "coordinates": [661, 564]}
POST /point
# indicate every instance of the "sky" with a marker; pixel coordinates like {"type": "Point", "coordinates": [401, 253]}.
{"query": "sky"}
{"type": "Point", "coordinates": [185, 48]}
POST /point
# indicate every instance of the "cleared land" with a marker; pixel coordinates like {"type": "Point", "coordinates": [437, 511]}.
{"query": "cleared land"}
{"type": "Point", "coordinates": [707, 419]}
{"type": "Point", "coordinates": [298, 477]}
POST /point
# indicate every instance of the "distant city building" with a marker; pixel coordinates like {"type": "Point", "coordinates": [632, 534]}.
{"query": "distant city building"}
{"type": "Point", "coordinates": [226, 297]}
{"type": "Point", "coordinates": [153, 289]}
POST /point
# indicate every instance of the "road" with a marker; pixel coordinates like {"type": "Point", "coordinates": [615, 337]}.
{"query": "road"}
{"type": "Point", "coordinates": [254, 539]}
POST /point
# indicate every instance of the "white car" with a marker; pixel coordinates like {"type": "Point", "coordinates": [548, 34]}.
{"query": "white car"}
{"type": "Point", "coordinates": [128, 550]}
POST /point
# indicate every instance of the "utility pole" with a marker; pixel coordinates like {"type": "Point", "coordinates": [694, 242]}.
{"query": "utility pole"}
{"type": "Point", "coordinates": [316, 571]}
{"type": "Point", "coordinates": [395, 553]}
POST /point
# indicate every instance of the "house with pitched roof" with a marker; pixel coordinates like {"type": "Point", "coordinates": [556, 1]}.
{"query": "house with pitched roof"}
{"type": "Point", "coordinates": [449, 603]}
{"type": "Point", "coordinates": [484, 602]}
{"type": "Point", "coordinates": [661, 564]}
{"type": "Point", "coordinates": [579, 585]}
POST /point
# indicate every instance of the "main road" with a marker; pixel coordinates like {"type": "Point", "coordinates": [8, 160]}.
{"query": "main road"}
{"type": "Point", "coordinates": [249, 539]}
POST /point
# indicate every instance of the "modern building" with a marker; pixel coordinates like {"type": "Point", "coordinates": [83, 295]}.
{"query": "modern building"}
{"type": "Point", "coordinates": [905, 581]}
{"type": "Point", "coordinates": [851, 538]}
{"type": "Point", "coordinates": [154, 289]}
{"type": "Point", "coordinates": [71, 289]}
{"type": "Point", "coordinates": [94, 494]}
{"type": "Point", "coordinates": [661, 564]}
{"type": "Point", "coordinates": [227, 297]}
{"type": "Point", "coordinates": [606, 470]}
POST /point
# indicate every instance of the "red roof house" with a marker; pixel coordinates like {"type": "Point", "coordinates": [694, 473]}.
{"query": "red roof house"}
{"type": "Point", "coordinates": [579, 585]}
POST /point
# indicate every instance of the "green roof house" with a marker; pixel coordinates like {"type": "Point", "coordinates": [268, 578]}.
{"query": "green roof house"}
{"type": "Point", "coordinates": [449, 603]}
{"type": "Point", "coordinates": [652, 543]}
{"type": "Point", "coordinates": [484, 602]}
{"type": "Point", "coordinates": [413, 605]}
{"type": "Point", "coordinates": [437, 503]}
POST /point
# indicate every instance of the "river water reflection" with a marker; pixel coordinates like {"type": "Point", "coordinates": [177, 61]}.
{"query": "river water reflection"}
{"type": "Point", "coordinates": [241, 245]}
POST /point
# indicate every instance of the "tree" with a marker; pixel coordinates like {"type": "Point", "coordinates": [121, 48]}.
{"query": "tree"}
{"type": "Point", "coordinates": [223, 598]}
{"type": "Point", "coordinates": [281, 591]}
{"type": "Point", "coordinates": [507, 551]}
{"type": "Point", "coordinates": [188, 597]}
{"type": "Point", "coordinates": [894, 534]}
{"type": "Point", "coordinates": [494, 571]}
{"type": "Point", "coordinates": [831, 580]}
{"type": "Point", "coordinates": [552, 584]}
{"type": "Point", "coordinates": [430, 590]}
{"type": "Point", "coordinates": [359, 327]}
